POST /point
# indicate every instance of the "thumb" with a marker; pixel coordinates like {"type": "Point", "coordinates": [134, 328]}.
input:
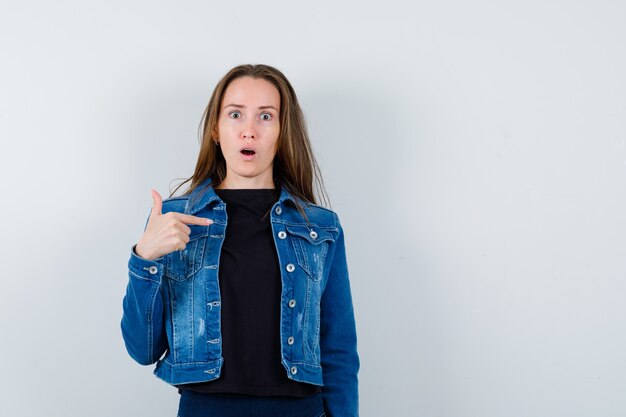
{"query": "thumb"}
{"type": "Point", "coordinates": [157, 202]}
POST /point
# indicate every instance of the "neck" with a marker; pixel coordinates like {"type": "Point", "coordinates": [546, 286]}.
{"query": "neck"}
{"type": "Point", "coordinates": [246, 183]}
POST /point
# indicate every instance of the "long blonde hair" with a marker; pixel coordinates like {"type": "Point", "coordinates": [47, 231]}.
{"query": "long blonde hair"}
{"type": "Point", "coordinates": [294, 165]}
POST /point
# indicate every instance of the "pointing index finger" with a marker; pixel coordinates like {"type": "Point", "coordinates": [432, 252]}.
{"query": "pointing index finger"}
{"type": "Point", "coordinates": [189, 219]}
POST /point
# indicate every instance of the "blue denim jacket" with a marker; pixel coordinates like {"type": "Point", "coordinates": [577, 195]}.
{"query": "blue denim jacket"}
{"type": "Point", "coordinates": [172, 303]}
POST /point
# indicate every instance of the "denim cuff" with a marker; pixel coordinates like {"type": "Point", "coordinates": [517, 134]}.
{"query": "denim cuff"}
{"type": "Point", "coordinates": [145, 268]}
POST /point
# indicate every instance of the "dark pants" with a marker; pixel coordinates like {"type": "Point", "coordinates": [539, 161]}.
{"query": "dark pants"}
{"type": "Point", "coordinates": [196, 404]}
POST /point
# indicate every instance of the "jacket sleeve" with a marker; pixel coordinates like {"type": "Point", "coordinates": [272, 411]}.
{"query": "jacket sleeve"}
{"type": "Point", "coordinates": [142, 320]}
{"type": "Point", "coordinates": [338, 342]}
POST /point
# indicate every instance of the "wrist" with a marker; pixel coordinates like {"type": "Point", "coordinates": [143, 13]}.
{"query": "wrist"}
{"type": "Point", "coordinates": [139, 251]}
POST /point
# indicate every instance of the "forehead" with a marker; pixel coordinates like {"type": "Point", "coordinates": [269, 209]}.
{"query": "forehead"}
{"type": "Point", "coordinates": [251, 92]}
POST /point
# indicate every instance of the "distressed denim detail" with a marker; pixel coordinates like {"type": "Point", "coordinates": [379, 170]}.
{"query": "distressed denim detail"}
{"type": "Point", "coordinates": [181, 265]}
{"type": "Point", "coordinates": [310, 251]}
{"type": "Point", "coordinates": [172, 307]}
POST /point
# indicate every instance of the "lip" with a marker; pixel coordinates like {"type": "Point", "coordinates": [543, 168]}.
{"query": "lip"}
{"type": "Point", "coordinates": [247, 157]}
{"type": "Point", "coordinates": [247, 147]}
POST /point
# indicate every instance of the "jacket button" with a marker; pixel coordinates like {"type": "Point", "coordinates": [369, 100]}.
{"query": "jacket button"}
{"type": "Point", "coordinates": [292, 303]}
{"type": "Point", "coordinates": [290, 340]}
{"type": "Point", "coordinates": [294, 370]}
{"type": "Point", "coordinates": [313, 234]}
{"type": "Point", "coordinates": [278, 210]}
{"type": "Point", "coordinates": [290, 267]}
{"type": "Point", "coordinates": [153, 269]}
{"type": "Point", "coordinates": [282, 234]}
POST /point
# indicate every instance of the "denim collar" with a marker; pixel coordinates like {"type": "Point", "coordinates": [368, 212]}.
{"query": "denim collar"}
{"type": "Point", "coordinates": [204, 194]}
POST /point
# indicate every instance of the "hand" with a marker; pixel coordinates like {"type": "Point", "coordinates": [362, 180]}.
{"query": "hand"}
{"type": "Point", "coordinates": [167, 232]}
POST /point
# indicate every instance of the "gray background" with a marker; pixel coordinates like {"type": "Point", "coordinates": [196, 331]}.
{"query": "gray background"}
{"type": "Point", "coordinates": [475, 152]}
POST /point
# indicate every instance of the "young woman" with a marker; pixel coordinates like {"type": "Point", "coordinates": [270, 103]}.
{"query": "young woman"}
{"type": "Point", "coordinates": [238, 290]}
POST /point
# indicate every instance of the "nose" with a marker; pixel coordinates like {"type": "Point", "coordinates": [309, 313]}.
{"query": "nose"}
{"type": "Point", "coordinates": [248, 131]}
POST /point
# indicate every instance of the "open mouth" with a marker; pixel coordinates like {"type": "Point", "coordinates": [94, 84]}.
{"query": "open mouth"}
{"type": "Point", "coordinates": [247, 151]}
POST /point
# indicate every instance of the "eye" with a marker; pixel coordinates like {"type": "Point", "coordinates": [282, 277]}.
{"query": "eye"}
{"type": "Point", "coordinates": [266, 116]}
{"type": "Point", "coordinates": [235, 114]}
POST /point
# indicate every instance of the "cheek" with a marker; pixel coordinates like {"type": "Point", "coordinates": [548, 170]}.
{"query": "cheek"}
{"type": "Point", "coordinates": [271, 134]}
{"type": "Point", "coordinates": [224, 126]}
{"type": "Point", "coordinates": [274, 146]}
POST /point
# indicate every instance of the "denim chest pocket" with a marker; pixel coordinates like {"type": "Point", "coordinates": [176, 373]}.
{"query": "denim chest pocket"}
{"type": "Point", "coordinates": [311, 246]}
{"type": "Point", "coordinates": [181, 265]}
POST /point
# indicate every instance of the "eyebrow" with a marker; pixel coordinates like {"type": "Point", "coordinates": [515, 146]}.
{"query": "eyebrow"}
{"type": "Point", "coordinates": [243, 107]}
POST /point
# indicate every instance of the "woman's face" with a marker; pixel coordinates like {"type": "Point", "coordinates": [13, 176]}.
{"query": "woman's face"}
{"type": "Point", "coordinates": [248, 129]}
